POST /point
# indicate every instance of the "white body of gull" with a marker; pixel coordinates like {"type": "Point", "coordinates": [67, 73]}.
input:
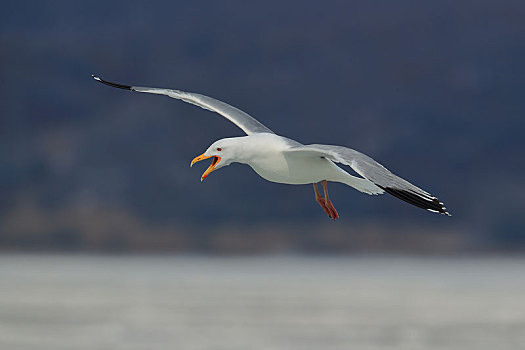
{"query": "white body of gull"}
{"type": "Point", "coordinates": [280, 159]}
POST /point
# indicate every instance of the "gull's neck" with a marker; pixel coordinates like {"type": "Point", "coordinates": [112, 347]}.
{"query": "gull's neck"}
{"type": "Point", "coordinates": [257, 146]}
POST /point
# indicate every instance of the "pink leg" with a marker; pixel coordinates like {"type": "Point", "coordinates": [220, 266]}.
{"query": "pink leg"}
{"type": "Point", "coordinates": [321, 200]}
{"type": "Point", "coordinates": [328, 202]}
{"type": "Point", "coordinates": [325, 202]}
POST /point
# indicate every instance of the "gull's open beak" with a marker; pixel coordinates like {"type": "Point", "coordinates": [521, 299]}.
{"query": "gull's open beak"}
{"type": "Point", "coordinates": [216, 160]}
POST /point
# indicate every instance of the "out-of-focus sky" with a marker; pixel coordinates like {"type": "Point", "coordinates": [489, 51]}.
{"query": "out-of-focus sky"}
{"type": "Point", "coordinates": [432, 89]}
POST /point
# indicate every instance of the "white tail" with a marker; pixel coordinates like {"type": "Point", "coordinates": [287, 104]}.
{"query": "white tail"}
{"type": "Point", "coordinates": [362, 185]}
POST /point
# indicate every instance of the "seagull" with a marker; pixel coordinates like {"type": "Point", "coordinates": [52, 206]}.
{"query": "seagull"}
{"type": "Point", "coordinates": [280, 159]}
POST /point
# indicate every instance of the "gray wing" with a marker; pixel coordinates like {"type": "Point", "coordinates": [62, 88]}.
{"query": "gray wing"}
{"type": "Point", "coordinates": [376, 173]}
{"type": "Point", "coordinates": [243, 120]}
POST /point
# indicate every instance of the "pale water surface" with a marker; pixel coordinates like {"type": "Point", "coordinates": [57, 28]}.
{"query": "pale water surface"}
{"type": "Point", "coordinates": [101, 302]}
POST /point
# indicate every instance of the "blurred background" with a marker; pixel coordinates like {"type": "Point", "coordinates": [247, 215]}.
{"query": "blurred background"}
{"type": "Point", "coordinates": [432, 90]}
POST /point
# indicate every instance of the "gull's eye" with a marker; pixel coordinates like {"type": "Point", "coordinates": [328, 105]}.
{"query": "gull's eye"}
{"type": "Point", "coordinates": [219, 149]}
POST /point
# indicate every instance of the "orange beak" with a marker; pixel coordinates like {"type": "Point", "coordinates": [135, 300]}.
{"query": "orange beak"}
{"type": "Point", "coordinates": [216, 160]}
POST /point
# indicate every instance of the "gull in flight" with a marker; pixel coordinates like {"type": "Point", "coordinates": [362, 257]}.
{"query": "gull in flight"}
{"type": "Point", "coordinates": [283, 160]}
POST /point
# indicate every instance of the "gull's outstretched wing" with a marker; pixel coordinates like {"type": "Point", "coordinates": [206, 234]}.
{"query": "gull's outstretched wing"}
{"type": "Point", "coordinates": [243, 120]}
{"type": "Point", "coordinates": [376, 173]}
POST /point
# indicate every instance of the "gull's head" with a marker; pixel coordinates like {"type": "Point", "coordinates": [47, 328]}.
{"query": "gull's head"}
{"type": "Point", "coordinates": [224, 152]}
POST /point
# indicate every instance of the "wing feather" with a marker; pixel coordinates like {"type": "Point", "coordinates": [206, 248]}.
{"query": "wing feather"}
{"type": "Point", "coordinates": [242, 119]}
{"type": "Point", "coordinates": [376, 173]}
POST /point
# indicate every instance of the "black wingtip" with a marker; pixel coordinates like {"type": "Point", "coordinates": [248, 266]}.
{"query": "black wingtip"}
{"type": "Point", "coordinates": [431, 204]}
{"type": "Point", "coordinates": [115, 85]}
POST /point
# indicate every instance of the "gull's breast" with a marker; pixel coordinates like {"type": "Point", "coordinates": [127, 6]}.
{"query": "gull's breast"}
{"type": "Point", "coordinates": [282, 168]}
